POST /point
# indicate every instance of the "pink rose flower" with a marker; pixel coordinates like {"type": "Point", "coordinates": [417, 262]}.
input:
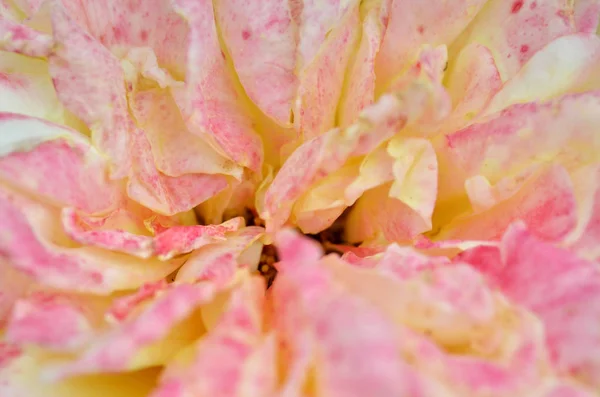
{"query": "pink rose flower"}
{"type": "Point", "coordinates": [299, 198]}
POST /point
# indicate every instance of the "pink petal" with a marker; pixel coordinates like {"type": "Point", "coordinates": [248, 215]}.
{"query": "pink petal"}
{"type": "Point", "coordinates": [322, 79]}
{"type": "Point", "coordinates": [515, 30]}
{"type": "Point", "coordinates": [412, 24]}
{"type": "Point", "coordinates": [587, 15]}
{"type": "Point", "coordinates": [135, 23]}
{"type": "Point", "coordinates": [55, 164]}
{"type": "Point", "coordinates": [215, 110]}
{"type": "Point", "coordinates": [586, 236]}
{"type": "Point", "coordinates": [175, 150]}
{"type": "Point", "coordinates": [220, 362]}
{"type": "Point", "coordinates": [164, 194]}
{"type": "Point", "coordinates": [261, 40]}
{"type": "Point", "coordinates": [33, 244]}
{"type": "Point", "coordinates": [565, 295]}
{"type": "Point", "coordinates": [13, 285]}
{"type": "Point", "coordinates": [24, 40]}
{"type": "Point", "coordinates": [123, 347]}
{"type": "Point", "coordinates": [219, 262]}
{"type": "Point", "coordinates": [92, 91]}
{"type": "Point", "coordinates": [545, 202]}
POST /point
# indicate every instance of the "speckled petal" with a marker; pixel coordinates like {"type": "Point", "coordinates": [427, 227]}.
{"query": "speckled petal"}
{"type": "Point", "coordinates": [23, 39]}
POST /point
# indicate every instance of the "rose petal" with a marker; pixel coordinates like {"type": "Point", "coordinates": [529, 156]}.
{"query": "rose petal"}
{"type": "Point", "coordinates": [220, 362]}
{"type": "Point", "coordinates": [587, 15]}
{"type": "Point", "coordinates": [565, 295]}
{"type": "Point", "coordinates": [261, 40]}
{"type": "Point", "coordinates": [515, 30]}
{"type": "Point", "coordinates": [55, 164]}
{"type": "Point", "coordinates": [176, 151]}
{"type": "Point", "coordinates": [24, 40]}
{"type": "Point", "coordinates": [214, 110]}
{"type": "Point", "coordinates": [412, 24]}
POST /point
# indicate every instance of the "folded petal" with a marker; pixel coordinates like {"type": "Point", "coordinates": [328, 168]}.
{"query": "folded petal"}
{"type": "Point", "coordinates": [24, 40]}
{"type": "Point", "coordinates": [412, 24]}
{"type": "Point", "coordinates": [93, 91]}
{"type": "Point", "coordinates": [213, 107]}
{"type": "Point", "coordinates": [515, 30]}
{"type": "Point", "coordinates": [261, 39]}
{"type": "Point", "coordinates": [55, 164]}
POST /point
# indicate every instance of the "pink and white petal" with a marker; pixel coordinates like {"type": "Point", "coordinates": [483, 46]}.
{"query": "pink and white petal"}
{"type": "Point", "coordinates": [54, 163]}
{"type": "Point", "coordinates": [176, 151]}
{"type": "Point", "coordinates": [121, 26]}
{"type": "Point", "coordinates": [412, 24]}
{"type": "Point", "coordinates": [94, 92]}
{"type": "Point", "coordinates": [24, 40]}
{"type": "Point", "coordinates": [376, 215]}
{"type": "Point", "coordinates": [219, 262]}
{"type": "Point", "coordinates": [261, 39]}
{"type": "Point", "coordinates": [23, 377]}
{"type": "Point", "coordinates": [213, 108]}
{"type": "Point", "coordinates": [87, 231]}
{"type": "Point", "coordinates": [151, 338]}
{"type": "Point", "coordinates": [13, 286]}
{"type": "Point", "coordinates": [126, 306]}
{"type": "Point", "coordinates": [183, 239]}
{"type": "Point", "coordinates": [515, 30]}
{"type": "Point", "coordinates": [359, 85]}
{"type": "Point", "coordinates": [322, 80]}
{"type": "Point", "coordinates": [471, 83]}
{"type": "Point", "coordinates": [587, 15]}
{"type": "Point", "coordinates": [566, 65]}
{"type": "Point", "coordinates": [415, 175]}
{"type": "Point", "coordinates": [507, 143]}
{"type": "Point", "coordinates": [318, 157]}
{"type": "Point", "coordinates": [545, 202]}
{"type": "Point", "coordinates": [50, 321]}
{"type": "Point", "coordinates": [34, 243]}
{"type": "Point", "coordinates": [565, 296]}
{"type": "Point", "coordinates": [164, 194]}
{"type": "Point", "coordinates": [219, 363]}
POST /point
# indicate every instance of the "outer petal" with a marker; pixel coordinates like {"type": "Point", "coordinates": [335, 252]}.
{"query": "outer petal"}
{"type": "Point", "coordinates": [213, 108]}
{"type": "Point", "coordinates": [55, 164]}
{"type": "Point", "coordinates": [23, 39]}
{"type": "Point", "coordinates": [412, 24]}
{"type": "Point", "coordinates": [92, 91]}
{"type": "Point", "coordinates": [32, 244]}
{"type": "Point", "coordinates": [221, 363]}
{"type": "Point", "coordinates": [587, 15]}
{"type": "Point", "coordinates": [565, 295]}
{"type": "Point", "coordinates": [261, 38]}
{"type": "Point", "coordinates": [163, 327]}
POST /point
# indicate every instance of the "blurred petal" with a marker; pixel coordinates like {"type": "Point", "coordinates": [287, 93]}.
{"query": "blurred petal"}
{"type": "Point", "coordinates": [261, 38]}
{"type": "Point", "coordinates": [412, 24]}
{"type": "Point", "coordinates": [565, 295]}
{"type": "Point", "coordinates": [164, 326]}
{"type": "Point", "coordinates": [13, 285]}
{"type": "Point", "coordinates": [220, 363]}
{"type": "Point", "coordinates": [23, 39]}
{"type": "Point", "coordinates": [215, 110]}
{"type": "Point", "coordinates": [587, 15]}
{"type": "Point", "coordinates": [544, 201]}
